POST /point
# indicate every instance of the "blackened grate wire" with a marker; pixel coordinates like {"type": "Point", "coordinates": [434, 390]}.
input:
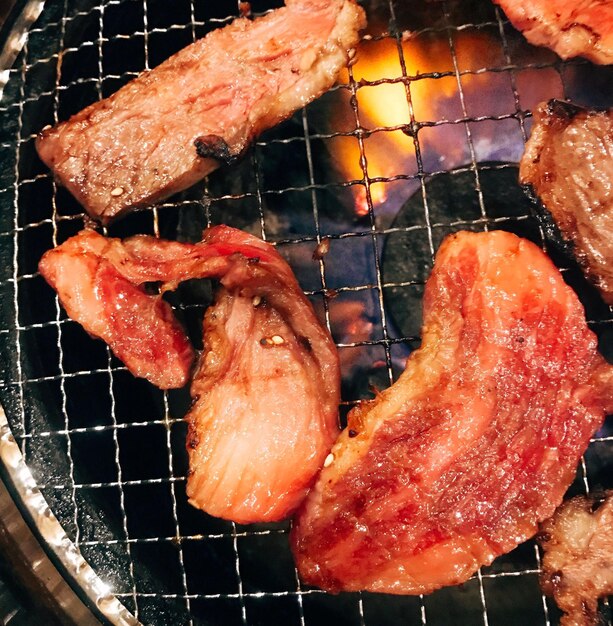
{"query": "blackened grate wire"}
{"type": "Point", "coordinates": [108, 450]}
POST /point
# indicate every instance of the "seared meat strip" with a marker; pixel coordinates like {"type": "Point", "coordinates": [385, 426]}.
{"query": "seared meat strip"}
{"type": "Point", "coordinates": [169, 127]}
{"type": "Point", "coordinates": [459, 460]}
{"type": "Point", "coordinates": [568, 162]}
{"type": "Point", "coordinates": [267, 388]}
{"type": "Point", "coordinates": [580, 28]}
{"type": "Point", "coordinates": [578, 560]}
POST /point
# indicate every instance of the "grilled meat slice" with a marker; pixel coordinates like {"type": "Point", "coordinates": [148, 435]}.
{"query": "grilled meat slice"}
{"type": "Point", "coordinates": [169, 127]}
{"type": "Point", "coordinates": [267, 388]}
{"type": "Point", "coordinates": [568, 162]}
{"type": "Point", "coordinates": [97, 280]}
{"type": "Point", "coordinates": [266, 396]}
{"type": "Point", "coordinates": [581, 28]}
{"type": "Point", "coordinates": [578, 560]}
{"type": "Point", "coordinates": [477, 441]}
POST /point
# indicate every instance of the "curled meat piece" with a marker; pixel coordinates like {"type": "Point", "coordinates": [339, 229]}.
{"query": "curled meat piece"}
{"type": "Point", "coordinates": [477, 441]}
{"type": "Point", "coordinates": [581, 28]}
{"type": "Point", "coordinates": [568, 163]}
{"type": "Point", "coordinates": [98, 281]}
{"type": "Point", "coordinates": [169, 127]}
{"type": "Point", "coordinates": [578, 560]}
{"type": "Point", "coordinates": [267, 387]}
{"type": "Point", "coordinates": [266, 392]}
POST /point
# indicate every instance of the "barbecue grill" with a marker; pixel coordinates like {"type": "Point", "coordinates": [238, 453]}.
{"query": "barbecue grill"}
{"type": "Point", "coordinates": [96, 459]}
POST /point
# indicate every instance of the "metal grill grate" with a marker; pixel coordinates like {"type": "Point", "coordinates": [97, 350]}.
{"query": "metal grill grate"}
{"type": "Point", "coordinates": [107, 450]}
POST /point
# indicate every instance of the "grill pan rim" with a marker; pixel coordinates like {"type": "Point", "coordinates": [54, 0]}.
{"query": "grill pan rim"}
{"type": "Point", "coordinates": [61, 550]}
{"type": "Point", "coordinates": [21, 17]}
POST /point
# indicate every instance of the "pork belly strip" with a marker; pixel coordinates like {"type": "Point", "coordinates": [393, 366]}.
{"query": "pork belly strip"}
{"type": "Point", "coordinates": [477, 441]}
{"type": "Point", "coordinates": [267, 387]}
{"type": "Point", "coordinates": [580, 28]}
{"type": "Point", "coordinates": [169, 127]}
{"type": "Point", "coordinates": [578, 560]}
{"type": "Point", "coordinates": [568, 163]}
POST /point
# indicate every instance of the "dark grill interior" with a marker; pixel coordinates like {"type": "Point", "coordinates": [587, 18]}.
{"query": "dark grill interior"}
{"type": "Point", "coordinates": [108, 450]}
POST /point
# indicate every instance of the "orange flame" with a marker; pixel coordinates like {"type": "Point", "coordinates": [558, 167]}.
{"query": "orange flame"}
{"type": "Point", "coordinates": [385, 106]}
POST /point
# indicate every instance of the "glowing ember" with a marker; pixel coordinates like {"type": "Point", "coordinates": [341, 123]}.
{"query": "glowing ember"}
{"type": "Point", "coordinates": [377, 195]}
{"type": "Point", "coordinates": [361, 202]}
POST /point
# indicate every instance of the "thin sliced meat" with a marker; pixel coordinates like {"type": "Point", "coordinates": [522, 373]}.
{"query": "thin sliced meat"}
{"type": "Point", "coordinates": [266, 394]}
{"type": "Point", "coordinates": [169, 127]}
{"type": "Point", "coordinates": [568, 163]}
{"type": "Point", "coordinates": [89, 274]}
{"type": "Point", "coordinates": [267, 388]}
{"type": "Point", "coordinates": [578, 559]}
{"type": "Point", "coordinates": [460, 459]}
{"type": "Point", "coordinates": [581, 28]}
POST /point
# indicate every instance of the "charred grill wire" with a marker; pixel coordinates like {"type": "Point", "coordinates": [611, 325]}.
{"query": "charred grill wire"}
{"type": "Point", "coordinates": [109, 452]}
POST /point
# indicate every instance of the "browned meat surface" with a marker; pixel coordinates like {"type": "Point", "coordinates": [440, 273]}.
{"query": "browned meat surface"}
{"type": "Point", "coordinates": [477, 441]}
{"type": "Point", "coordinates": [171, 126]}
{"type": "Point", "coordinates": [580, 28]}
{"type": "Point", "coordinates": [568, 162]}
{"type": "Point", "coordinates": [578, 560]}
{"type": "Point", "coordinates": [267, 387]}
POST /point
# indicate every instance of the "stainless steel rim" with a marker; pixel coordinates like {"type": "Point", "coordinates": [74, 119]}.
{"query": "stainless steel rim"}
{"type": "Point", "coordinates": [14, 43]}
{"type": "Point", "coordinates": [56, 540]}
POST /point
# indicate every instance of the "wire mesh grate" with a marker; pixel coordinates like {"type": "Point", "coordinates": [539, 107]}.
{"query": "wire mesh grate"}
{"type": "Point", "coordinates": [107, 450]}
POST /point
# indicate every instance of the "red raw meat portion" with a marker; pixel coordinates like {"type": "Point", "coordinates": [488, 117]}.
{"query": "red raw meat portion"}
{"type": "Point", "coordinates": [579, 28]}
{"type": "Point", "coordinates": [91, 276]}
{"type": "Point", "coordinates": [267, 388]}
{"type": "Point", "coordinates": [477, 441]}
{"type": "Point", "coordinates": [169, 127]}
